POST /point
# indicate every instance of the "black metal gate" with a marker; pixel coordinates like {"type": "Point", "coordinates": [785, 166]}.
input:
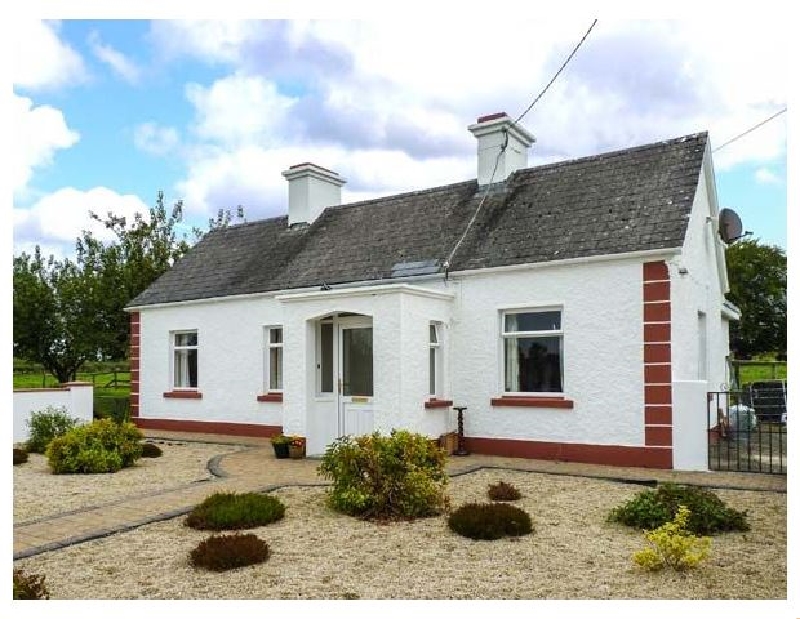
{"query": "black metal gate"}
{"type": "Point", "coordinates": [747, 429]}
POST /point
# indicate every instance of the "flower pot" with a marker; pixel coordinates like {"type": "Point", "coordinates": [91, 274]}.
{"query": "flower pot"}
{"type": "Point", "coordinates": [281, 450]}
{"type": "Point", "coordinates": [297, 452]}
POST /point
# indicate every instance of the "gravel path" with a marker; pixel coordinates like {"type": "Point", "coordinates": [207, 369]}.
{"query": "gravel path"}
{"type": "Point", "coordinates": [38, 493]}
{"type": "Point", "coordinates": [318, 554]}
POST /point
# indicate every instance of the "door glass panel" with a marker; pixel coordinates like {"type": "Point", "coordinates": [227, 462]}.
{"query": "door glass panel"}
{"type": "Point", "coordinates": [326, 361]}
{"type": "Point", "coordinates": [357, 362]}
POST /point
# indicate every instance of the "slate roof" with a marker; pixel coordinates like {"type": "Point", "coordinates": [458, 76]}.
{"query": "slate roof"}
{"type": "Point", "coordinates": [623, 201]}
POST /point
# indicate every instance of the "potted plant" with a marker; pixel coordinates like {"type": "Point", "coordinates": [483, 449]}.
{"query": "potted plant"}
{"type": "Point", "coordinates": [280, 444]}
{"type": "Point", "coordinates": [297, 447]}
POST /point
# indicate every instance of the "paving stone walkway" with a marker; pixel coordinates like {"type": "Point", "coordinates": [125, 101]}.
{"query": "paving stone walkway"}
{"type": "Point", "coordinates": [254, 468]}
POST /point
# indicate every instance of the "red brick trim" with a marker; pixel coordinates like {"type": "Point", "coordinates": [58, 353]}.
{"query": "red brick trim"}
{"type": "Point", "coordinates": [657, 342]}
{"type": "Point", "coordinates": [658, 415]}
{"type": "Point", "coordinates": [270, 397]}
{"type": "Point", "coordinates": [133, 357]}
{"type": "Point", "coordinates": [434, 403]}
{"type": "Point", "coordinates": [655, 271]}
{"type": "Point", "coordinates": [533, 401]}
{"type": "Point", "coordinates": [208, 427]}
{"type": "Point", "coordinates": [657, 353]}
{"type": "Point", "coordinates": [658, 435]}
{"type": "Point", "coordinates": [615, 455]}
{"type": "Point", "coordinates": [657, 312]}
{"type": "Point", "coordinates": [135, 398]}
{"type": "Point", "coordinates": [658, 373]}
{"type": "Point", "coordinates": [183, 395]}
{"type": "Point", "coordinates": [656, 291]}
{"type": "Point", "coordinates": [658, 332]}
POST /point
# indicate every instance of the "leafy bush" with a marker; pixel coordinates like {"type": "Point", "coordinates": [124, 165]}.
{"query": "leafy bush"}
{"type": "Point", "coordinates": [149, 450]}
{"type": "Point", "coordinates": [20, 456]}
{"type": "Point", "coordinates": [29, 587]}
{"type": "Point", "coordinates": [99, 447]}
{"type": "Point", "coordinates": [226, 552]}
{"type": "Point", "coordinates": [672, 545]}
{"type": "Point", "coordinates": [116, 408]}
{"type": "Point", "coordinates": [231, 511]}
{"type": "Point", "coordinates": [280, 439]}
{"type": "Point", "coordinates": [47, 424]}
{"type": "Point", "coordinates": [502, 491]}
{"type": "Point", "coordinates": [490, 521]}
{"type": "Point", "coordinates": [377, 476]}
{"type": "Point", "coordinates": [708, 514]}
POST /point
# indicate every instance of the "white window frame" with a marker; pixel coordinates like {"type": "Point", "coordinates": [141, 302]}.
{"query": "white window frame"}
{"type": "Point", "coordinates": [174, 348]}
{"type": "Point", "coordinates": [268, 346]}
{"type": "Point", "coordinates": [318, 393]}
{"type": "Point", "coordinates": [438, 364]}
{"type": "Point", "coordinates": [505, 335]}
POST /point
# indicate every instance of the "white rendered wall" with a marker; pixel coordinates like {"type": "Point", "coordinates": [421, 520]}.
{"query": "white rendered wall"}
{"type": "Point", "coordinates": [689, 430]}
{"type": "Point", "coordinates": [77, 399]}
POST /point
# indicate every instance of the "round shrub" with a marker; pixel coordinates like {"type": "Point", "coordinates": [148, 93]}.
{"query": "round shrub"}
{"type": "Point", "coordinates": [490, 521]}
{"type": "Point", "coordinates": [29, 586]}
{"type": "Point", "coordinates": [149, 450]}
{"type": "Point", "coordinates": [386, 477]}
{"type": "Point", "coordinates": [226, 552]}
{"type": "Point", "coordinates": [651, 509]}
{"type": "Point", "coordinates": [99, 447]}
{"type": "Point", "coordinates": [230, 511]}
{"type": "Point", "coordinates": [20, 456]}
{"type": "Point", "coordinates": [45, 425]}
{"type": "Point", "coordinates": [502, 491]}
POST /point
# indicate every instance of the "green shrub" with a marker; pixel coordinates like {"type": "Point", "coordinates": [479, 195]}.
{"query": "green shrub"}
{"type": "Point", "coordinates": [708, 514]}
{"type": "Point", "coordinates": [502, 491]}
{"type": "Point", "coordinates": [226, 552]}
{"type": "Point", "coordinates": [20, 456]}
{"type": "Point", "coordinates": [99, 447]}
{"type": "Point", "coordinates": [231, 511]}
{"type": "Point", "coordinates": [45, 425]}
{"type": "Point", "coordinates": [29, 587]}
{"type": "Point", "coordinates": [149, 450]}
{"type": "Point", "coordinates": [671, 545]}
{"type": "Point", "coordinates": [377, 476]}
{"type": "Point", "coordinates": [490, 521]}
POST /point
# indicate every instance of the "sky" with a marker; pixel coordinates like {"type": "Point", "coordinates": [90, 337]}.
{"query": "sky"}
{"type": "Point", "coordinates": [106, 113]}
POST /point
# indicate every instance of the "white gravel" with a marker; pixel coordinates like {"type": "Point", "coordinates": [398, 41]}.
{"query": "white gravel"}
{"type": "Point", "coordinates": [318, 554]}
{"type": "Point", "coordinates": [39, 493]}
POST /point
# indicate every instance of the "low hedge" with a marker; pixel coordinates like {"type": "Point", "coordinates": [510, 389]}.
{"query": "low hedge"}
{"type": "Point", "coordinates": [490, 521]}
{"type": "Point", "coordinates": [501, 491]}
{"type": "Point", "coordinates": [29, 586]}
{"type": "Point", "coordinates": [45, 425]}
{"type": "Point", "coordinates": [99, 447]}
{"type": "Point", "coordinates": [226, 511]}
{"type": "Point", "coordinates": [149, 450]}
{"type": "Point", "coordinates": [20, 456]}
{"type": "Point", "coordinates": [226, 552]}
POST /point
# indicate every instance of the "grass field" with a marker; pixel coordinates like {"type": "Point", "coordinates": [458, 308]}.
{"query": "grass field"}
{"type": "Point", "coordinates": [752, 371]}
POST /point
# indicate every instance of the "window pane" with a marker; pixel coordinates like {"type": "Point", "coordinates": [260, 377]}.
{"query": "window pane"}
{"type": "Point", "coordinates": [434, 340]}
{"type": "Point", "coordinates": [533, 364]}
{"type": "Point", "coordinates": [185, 369]}
{"type": "Point", "coordinates": [357, 361]}
{"type": "Point", "coordinates": [326, 363]}
{"type": "Point", "coordinates": [533, 321]}
{"type": "Point", "coordinates": [433, 371]}
{"type": "Point", "coordinates": [276, 368]}
{"type": "Point", "coordinates": [186, 339]}
{"type": "Point", "coordinates": [276, 336]}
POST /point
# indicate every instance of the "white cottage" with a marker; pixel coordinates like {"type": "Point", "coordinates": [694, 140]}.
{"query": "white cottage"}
{"type": "Point", "coordinates": [576, 309]}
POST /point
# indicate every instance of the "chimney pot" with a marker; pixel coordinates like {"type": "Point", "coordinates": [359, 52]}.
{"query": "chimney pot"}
{"type": "Point", "coordinates": [503, 141]}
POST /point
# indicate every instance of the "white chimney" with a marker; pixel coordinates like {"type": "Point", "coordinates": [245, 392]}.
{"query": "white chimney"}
{"type": "Point", "coordinates": [311, 189]}
{"type": "Point", "coordinates": [491, 132]}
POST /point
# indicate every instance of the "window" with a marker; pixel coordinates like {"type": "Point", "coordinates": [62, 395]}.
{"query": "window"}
{"type": "Point", "coordinates": [325, 358]}
{"type": "Point", "coordinates": [184, 360]}
{"type": "Point", "coordinates": [702, 347]}
{"type": "Point", "coordinates": [533, 355]}
{"type": "Point", "coordinates": [273, 358]}
{"type": "Point", "coordinates": [435, 361]}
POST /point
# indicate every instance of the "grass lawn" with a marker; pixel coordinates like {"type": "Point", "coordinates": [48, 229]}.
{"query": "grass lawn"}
{"type": "Point", "coordinates": [751, 373]}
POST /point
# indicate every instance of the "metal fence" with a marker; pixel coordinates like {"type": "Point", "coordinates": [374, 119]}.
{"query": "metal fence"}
{"type": "Point", "coordinates": [747, 429]}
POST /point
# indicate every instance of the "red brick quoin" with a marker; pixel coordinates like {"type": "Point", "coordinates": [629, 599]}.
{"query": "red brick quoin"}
{"type": "Point", "coordinates": [134, 362]}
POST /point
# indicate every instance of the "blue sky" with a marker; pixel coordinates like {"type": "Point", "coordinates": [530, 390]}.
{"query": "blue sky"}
{"type": "Point", "coordinates": [106, 113]}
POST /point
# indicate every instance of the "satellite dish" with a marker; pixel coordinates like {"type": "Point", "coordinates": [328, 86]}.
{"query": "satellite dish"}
{"type": "Point", "coordinates": [730, 226]}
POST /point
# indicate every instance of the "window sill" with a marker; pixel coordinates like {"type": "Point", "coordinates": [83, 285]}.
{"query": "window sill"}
{"type": "Point", "coordinates": [533, 402]}
{"type": "Point", "coordinates": [270, 397]}
{"type": "Point", "coordinates": [183, 395]}
{"type": "Point", "coordinates": [436, 403]}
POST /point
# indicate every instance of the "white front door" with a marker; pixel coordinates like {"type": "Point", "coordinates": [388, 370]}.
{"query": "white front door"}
{"type": "Point", "coordinates": [354, 376]}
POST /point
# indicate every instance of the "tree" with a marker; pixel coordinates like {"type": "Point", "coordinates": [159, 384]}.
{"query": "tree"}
{"type": "Point", "coordinates": [757, 276]}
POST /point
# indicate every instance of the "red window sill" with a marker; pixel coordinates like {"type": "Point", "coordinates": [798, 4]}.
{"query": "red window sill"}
{"type": "Point", "coordinates": [270, 397]}
{"type": "Point", "coordinates": [183, 395]}
{"type": "Point", "coordinates": [533, 402]}
{"type": "Point", "coordinates": [435, 403]}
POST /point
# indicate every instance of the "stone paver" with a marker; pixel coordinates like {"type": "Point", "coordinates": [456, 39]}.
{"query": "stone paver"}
{"type": "Point", "coordinates": [255, 468]}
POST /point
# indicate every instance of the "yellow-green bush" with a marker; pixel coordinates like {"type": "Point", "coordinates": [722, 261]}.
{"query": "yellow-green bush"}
{"type": "Point", "coordinates": [102, 446]}
{"type": "Point", "coordinates": [673, 545]}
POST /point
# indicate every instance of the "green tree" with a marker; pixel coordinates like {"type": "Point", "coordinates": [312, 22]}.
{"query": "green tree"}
{"type": "Point", "coordinates": [757, 276]}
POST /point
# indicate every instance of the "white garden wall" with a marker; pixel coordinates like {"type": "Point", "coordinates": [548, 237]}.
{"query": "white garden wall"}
{"type": "Point", "coordinates": [76, 398]}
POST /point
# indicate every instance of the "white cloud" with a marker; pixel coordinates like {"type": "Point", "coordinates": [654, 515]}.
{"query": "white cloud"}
{"type": "Point", "coordinates": [119, 63]}
{"type": "Point", "coordinates": [766, 176]}
{"type": "Point", "coordinates": [154, 139]}
{"type": "Point", "coordinates": [57, 219]}
{"type": "Point", "coordinates": [40, 59]}
{"type": "Point", "coordinates": [39, 131]}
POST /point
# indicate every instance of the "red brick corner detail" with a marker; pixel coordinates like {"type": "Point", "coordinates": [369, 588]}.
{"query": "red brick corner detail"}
{"type": "Point", "coordinates": [657, 339]}
{"type": "Point", "coordinates": [208, 427]}
{"type": "Point", "coordinates": [437, 403]}
{"type": "Point", "coordinates": [134, 363]}
{"type": "Point", "coordinates": [529, 401]}
{"type": "Point", "coordinates": [183, 395]}
{"type": "Point", "coordinates": [270, 397]}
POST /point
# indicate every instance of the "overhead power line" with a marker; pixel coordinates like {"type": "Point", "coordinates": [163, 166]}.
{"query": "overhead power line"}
{"type": "Point", "coordinates": [753, 128]}
{"type": "Point", "coordinates": [566, 62]}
